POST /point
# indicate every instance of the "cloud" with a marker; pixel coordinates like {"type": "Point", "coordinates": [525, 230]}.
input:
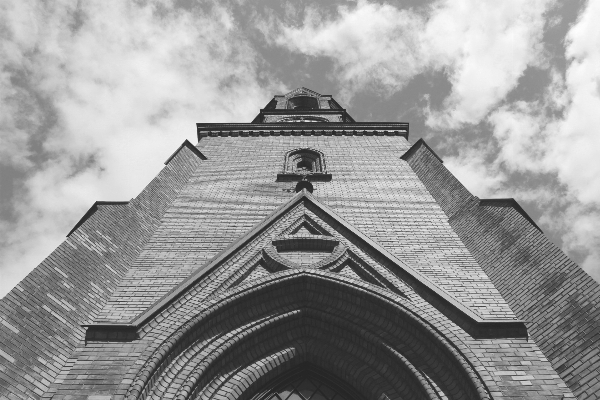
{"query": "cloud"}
{"type": "Point", "coordinates": [97, 95]}
{"type": "Point", "coordinates": [486, 47]}
{"type": "Point", "coordinates": [558, 136]}
{"type": "Point", "coordinates": [483, 47]}
{"type": "Point", "coordinates": [372, 44]}
{"type": "Point", "coordinates": [475, 172]}
{"type": "Point", "coordinates": [540, 148]}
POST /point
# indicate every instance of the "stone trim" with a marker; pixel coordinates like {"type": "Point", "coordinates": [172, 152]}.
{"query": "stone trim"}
{"type": "Point", "coordinates": [316, 111]}
{"type": "Point", "coordinates": [311, 177]}
{"type": "Point", "coordinates": [186, 143]}
{"type": "Point", "coordinates": [509, 202]}
{"type": "Point", "coordinates": [93, 210]}
{"type": "Point", "coordinates": [406, 156]}
{"type": "Point", "coordinates": [278, 262]}
{"type": "Point", "coordinates": [312, 242]}
{"type": "Point", "coordinates": [113, 333]}
{"type": "Point", "coordinates": [319, 174]}
{"type": "Point", "coordinates": [304, 129]}
{"type": "Point", "coordinates": [303, 91]}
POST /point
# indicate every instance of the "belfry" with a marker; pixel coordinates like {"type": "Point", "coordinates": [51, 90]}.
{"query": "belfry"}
{"type": "Point", "coordinates": [303, 256]}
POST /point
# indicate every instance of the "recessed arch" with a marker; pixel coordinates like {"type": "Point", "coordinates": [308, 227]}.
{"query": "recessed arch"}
{"type": "Point", "coordinates": [286, 311]}
{"type": "Point", "coordinates": [304, 162]}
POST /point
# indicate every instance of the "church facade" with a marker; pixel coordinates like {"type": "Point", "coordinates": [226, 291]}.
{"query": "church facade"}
{"type": "Point", "coordinates": [303, 256]}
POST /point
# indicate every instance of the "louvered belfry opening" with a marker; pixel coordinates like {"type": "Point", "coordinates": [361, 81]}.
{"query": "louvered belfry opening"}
{"type": "Point", "coordinates": [303, 103]}
{"type": "Point", "coordinates": [306, 161]}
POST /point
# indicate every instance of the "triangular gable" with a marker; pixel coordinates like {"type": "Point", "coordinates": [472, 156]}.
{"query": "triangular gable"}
{"type": "Point", "coordinates": [436, 296]}
{"type": "Point", "coordinates": [306, 225]}
{"type": "Point", "coordinates": [302, 91]}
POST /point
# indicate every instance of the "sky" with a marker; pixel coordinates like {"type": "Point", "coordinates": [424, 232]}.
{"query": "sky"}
{"type": "Point", "coordinates": [96, 95]}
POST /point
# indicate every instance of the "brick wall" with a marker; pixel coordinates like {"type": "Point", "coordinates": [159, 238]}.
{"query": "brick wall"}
{"type": "Point", "coordinates": [40, 318]}
{"type": "Point", "coordinates": [559, 301]}
{"type": "Point", "coordinates": [190, 214]}
{"type": "Point", "coordinates": [371, 188]}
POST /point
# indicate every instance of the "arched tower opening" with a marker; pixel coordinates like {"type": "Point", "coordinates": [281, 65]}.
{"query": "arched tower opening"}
{"type": "Point", "coordinates": [302, 103]}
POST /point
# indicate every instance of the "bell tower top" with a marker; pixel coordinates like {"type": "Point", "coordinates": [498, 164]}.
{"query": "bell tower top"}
{"type": "Point", "coordinates": [303, 105]}
{"type": "Point", "coordinates": [306, 113]}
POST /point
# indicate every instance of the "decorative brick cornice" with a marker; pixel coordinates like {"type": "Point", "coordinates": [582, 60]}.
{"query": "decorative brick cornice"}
{"type": "Point", "coordinates": [311, 177]}
{"type": "Point", "coordinates": [305, 129]}
{"type": "Point", "coordinates": [343, 114]}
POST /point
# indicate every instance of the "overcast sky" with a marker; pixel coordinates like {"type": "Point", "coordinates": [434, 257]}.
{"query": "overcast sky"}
{"type": "Point", "coordinates": [95, 95]}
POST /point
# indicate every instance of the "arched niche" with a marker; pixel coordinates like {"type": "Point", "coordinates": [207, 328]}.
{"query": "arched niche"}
{"type": "Point", "coordinates": [256, 333]}
{"type": "Point", "coordinates": [304, 163]}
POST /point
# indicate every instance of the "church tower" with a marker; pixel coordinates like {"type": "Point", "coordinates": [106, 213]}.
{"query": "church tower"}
{"type": "Point", "coordinates": [303, 256]}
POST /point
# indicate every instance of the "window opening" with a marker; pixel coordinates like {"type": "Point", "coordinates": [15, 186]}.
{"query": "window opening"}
{"type": "Point", "coordinates": [304, 166]}
{"type": "Point", "coordinates": [307, 165]}
{"type": "Point", "coordinates": [303, 103]}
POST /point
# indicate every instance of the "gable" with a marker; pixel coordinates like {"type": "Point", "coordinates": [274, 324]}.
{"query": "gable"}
{"type": "Point", "coordinates": [302, 92]}
{"type": "Point", "coordinates": [304, 234]}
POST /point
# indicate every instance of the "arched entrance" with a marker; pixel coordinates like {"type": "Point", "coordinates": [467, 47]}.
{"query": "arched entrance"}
{"type": "Point", "coordinates": [253, 336]}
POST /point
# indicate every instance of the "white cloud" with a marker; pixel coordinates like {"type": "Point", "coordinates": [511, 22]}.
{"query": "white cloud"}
{"type": "Point", "coordinates": [93, 100]}
{"type": "Point", "coordinates": [370, 43]}
{"type": "Point", "coordinates": [575, 139]}
{"type": "Point", "coordinates": [518, 129]}
{"type": "Point", "coordinates": [486, 45]}
{"type": "Point", "coordinates": [559, 136]}
{"type": "Point", "coordinates": [126, 84]}
{"type": "Point", "coordinates": [483, 46]}
{"type": "Point", "coordinates": [476, 173]}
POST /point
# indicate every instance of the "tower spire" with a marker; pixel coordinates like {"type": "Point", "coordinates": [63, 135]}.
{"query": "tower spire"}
{"type": "Point", "coordinates": [303, 105]}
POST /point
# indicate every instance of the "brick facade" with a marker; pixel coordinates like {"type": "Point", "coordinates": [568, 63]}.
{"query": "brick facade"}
{"type": "Point", "coordinates": [226, 280]}
{"type": "Point", "coordinates": [41, 317]}
{"type": "Point", "coordinates": [558, 300]}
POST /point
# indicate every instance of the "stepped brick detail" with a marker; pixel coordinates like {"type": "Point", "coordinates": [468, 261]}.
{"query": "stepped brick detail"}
{"type": "Point", "coordinates": [558, 300]}
{"type": "Point", "coordinates": [42, 315]}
